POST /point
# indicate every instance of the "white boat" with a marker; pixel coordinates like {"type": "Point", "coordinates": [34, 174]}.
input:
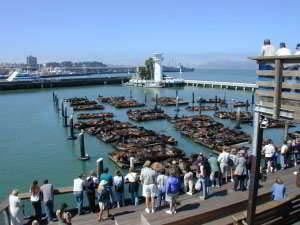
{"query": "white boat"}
{"type": "Point", "coordinates": [22, 76]}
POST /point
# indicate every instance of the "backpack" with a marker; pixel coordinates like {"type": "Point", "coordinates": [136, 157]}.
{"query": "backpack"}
{"type": "Point", "coordinates": [120, 186]}
{"type": "Point", "coordinates": [173, 185]}
{"type": "Point", "coordinates": [230, 162]}
{"type": "Point", "coordinates": [89, 185]}
{"type": "Point", "coordinates": [103, 196]}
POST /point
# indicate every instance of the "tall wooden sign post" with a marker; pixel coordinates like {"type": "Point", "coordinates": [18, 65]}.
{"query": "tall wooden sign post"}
{"type": "Point", "coordinates": [278, 97]}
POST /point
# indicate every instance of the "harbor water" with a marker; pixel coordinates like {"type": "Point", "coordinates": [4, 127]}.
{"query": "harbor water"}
{"type": "Point", "coordinates": [33, 141]}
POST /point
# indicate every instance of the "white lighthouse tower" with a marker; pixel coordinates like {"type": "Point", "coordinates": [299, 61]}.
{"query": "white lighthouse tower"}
{"type": "Point", "coordinates": [157, 58]}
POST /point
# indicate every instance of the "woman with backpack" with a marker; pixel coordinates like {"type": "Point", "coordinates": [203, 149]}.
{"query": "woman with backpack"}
{"type": "Point", "coordinates": [103, 196]}
{"type": "Point", "coordinates": [172, 190]}
{"type": "Point", "coordinates": [161, 181]}
{"type": "Point", "coordinates": [118, 182]}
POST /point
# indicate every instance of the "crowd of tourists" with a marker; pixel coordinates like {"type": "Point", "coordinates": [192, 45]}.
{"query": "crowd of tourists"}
{"type": "Point", "coordinates": [159, 186]}
{"type": "Point", "coordinates": [269, 50]}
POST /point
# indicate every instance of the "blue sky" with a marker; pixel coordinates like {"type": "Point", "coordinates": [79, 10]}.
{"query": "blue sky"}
{"type": "Point", "coordinates": [126, 31]}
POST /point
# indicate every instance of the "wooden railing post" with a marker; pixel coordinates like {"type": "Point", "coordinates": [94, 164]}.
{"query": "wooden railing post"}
{"type": "Point", "coordinates": [277, 89]}
{"type": "Point", "coordinates": [255, 168]}
{"type": "Point", "coordinates": [6, 216]}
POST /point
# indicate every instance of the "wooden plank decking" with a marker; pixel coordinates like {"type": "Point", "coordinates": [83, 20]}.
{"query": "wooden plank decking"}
{"type": "Point", "coordinates": [192, 211]}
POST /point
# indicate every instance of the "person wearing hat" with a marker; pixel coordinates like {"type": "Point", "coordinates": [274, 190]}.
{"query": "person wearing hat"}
{"type": "Point", "coordinates": [103, 196]}
{"type": "Point", "coordinates": [283, 50]}
{"type": "Point", "coordinates": [297, 52]}
{"type": "Point", "coordinates": [15, 208]}
{"type": "Point", "coordinates": [148, 179]}
{"type": "Point", "coordinates": [267, 50]}
{"type": "Point", "coordinates": [78, 184]}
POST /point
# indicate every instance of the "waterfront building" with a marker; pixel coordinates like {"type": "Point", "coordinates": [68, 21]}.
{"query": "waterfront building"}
{"type": "Point", "coordinates": [31, 61]}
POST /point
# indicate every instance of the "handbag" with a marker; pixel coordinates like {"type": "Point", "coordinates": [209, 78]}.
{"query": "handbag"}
{"type": "Point", "coordinates": [198, 185]}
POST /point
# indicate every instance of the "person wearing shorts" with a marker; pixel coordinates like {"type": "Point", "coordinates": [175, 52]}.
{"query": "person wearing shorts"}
{"type": "Point", "coordinates": [148, 180]}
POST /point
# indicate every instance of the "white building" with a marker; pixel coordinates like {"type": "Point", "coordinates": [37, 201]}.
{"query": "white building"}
{"type": "Point", "coordinates": [157, 58]}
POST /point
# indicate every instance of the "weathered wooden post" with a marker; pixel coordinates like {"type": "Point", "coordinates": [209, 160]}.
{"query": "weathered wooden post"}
{"type": "Point", "coordinates": [145, 99]}
{"type": "Point", "coordinates": [193, 100]}
{"type": "Point", "coordinates": [238, 119]}
{"type": "Point", "coordinates": [99, 166]}
{"type": "Point", "coordinates": [269, 103]}
{"type": "Point", "coordinates": [286, 131]}
{"type": "Point", "coordinates": [83, 155]}
{"type": "Point", "coordinates": [255, 168]}
{"type": "Point", "coordinates": [62, 109]}
{"type": "Point", "coordinates": [177, 104]}
{"type": "Point", "coordinates": [199, 105]}
{"type": "Point", "coordinates": [216, 102]}
{"type": "Point", "coordinates": [156, 101]}
{"type": "Point", "coordinates": [130, 93]}
{"type": "Point", "coordinates": [252, 98]}
{"type": "Point", "coordinates": [71, 124]}
{"type": "Point", "coordinates": [66, 117]}
{"type": "Point", "coordinates": [131, 162]}
{"type": "Point", "coordinates": [176, 93]}
{"type": "Point", "coordinates": [247, 105]}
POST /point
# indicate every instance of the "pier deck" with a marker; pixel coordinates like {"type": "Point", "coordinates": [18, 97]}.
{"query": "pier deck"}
{"type": "Point", "coordinates": [216, 210]}
{"type": "Point", "coordinates": [221, 84]}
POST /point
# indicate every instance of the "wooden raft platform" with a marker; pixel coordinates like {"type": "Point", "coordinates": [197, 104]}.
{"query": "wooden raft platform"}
{"type": "Point", "coordinates": [217, 210]}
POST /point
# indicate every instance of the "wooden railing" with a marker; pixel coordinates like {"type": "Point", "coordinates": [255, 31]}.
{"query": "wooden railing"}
{"type": "Point", "coordinates": [286, 211]}
{"type": "Point", "coordinates": [278, 90]}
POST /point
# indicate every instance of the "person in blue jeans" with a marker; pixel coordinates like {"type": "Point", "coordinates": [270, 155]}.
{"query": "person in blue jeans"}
{"type": "Point", "coordinates": [203, 176]}
{"type": "Point", "coordinates": [78, 192]}
{"type": "Point", "coordinates": [133, 186]}
{"type": "Point", "coordinates": [161, 181]}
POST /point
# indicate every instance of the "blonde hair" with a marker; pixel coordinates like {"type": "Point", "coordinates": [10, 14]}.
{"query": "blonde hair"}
{"type": "Point", "coordinates": [15, 192]}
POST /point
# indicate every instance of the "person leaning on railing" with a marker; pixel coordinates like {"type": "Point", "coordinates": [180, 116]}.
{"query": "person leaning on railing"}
{"type": "Point", "coordinates": [15, 210]}
{"type": "Point", "coordinates": [267, 50]}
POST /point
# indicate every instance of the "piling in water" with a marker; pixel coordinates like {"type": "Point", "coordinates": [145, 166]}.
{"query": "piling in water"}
{"type": "Point", "coordinates": [193, 100]}
{"type": "Point", "coordinates": [71, 124]}
{"type": "Point", "coordinates": [238, 119]}
{"type": "Point", "coordinates": [66, 117]}
{"type": "Point", "coordinates": [247, 105]}
{"type": "Point", "coordinates": [131, 162]}
{"type": "Point", "coordinates": [99, 166]}
{"type": "Point", "coordinates": [83, 155]}
{"type": "Point", "coordinates": [62, 109]}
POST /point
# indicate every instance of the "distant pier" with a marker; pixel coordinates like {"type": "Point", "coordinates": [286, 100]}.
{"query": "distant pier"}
{"type": "Point", "coordinates": [221, 84]}
{"type": "Point", "coordinates": [69, 82]}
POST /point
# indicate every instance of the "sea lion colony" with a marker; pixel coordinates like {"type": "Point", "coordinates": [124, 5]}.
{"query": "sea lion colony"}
{"type": "Point", "coordinates": [120, 102]}
{"type": "Point", "coordinates": [169, 101]}
{"type": "Point", "coordinates": [146, 114]}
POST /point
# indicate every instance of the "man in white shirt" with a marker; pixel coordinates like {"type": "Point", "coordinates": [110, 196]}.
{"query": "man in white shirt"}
{"type": "Point", "coordinates": [283, 50]}
{"type": "Point", "coordinates": [223, 160]}
{"type": "Point", "coordinates": [297, 49]}
{"type": "Point", "coordinates": [78, 192]}
{"type": "Point", "coordinates": [267, 49]}
{"type": "Point", "coordinates": [269, 151]}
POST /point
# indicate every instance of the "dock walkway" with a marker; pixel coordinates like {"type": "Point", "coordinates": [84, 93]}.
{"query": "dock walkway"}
{"type": "Point", "coordinates": [217, 209]}
{"type": "Point", "coordinates": [221, 84]}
